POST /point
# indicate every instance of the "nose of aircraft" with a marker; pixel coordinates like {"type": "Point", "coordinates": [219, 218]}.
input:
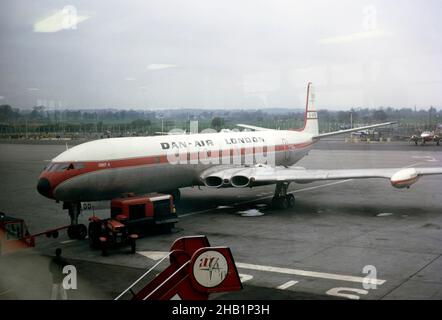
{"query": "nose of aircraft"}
{"type": "Point", "coordinates": [44, 187]}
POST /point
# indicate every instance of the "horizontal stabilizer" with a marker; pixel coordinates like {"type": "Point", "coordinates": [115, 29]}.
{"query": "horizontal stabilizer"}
{"type": "Point", "coordinates": [328, 134]}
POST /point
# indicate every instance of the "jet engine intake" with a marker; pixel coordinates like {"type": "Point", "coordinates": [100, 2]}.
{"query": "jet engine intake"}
{"type": "Point", "coordinates": [213, 181]}
{"type": "Point", "coordinates": [240, 181]}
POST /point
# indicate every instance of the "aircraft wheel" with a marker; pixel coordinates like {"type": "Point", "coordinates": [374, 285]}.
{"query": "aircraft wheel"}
{"type": "Point", "coordinates": [274, 203]}
{"type": "Point", "coordinates": [133, 246]}
{"type": "Point", "coordinates": [291, 200]}
{"type": "Point", "coordinates": [72, 233]}
{"type": "Point", "coordinates": [81, 231]}
{"type": "Point", "coordinates": [78, 231]}
{"type": "Point", "coordinates": [280, 202]}
{"type": "Point", "coordinates": [94, 235]}
{"type": "Point", "coordinates": [284, 203]}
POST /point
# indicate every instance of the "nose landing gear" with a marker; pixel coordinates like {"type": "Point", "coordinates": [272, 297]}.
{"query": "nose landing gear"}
{"type": "Point", "coordinates": [282, 199]}
{"type": "Point", "coordinates": [75, 230]}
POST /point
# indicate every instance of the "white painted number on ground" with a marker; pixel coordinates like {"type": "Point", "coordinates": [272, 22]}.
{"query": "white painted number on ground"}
{"type": "Point", "coordinates": [344, 292]}
{"type": "Point", "coordinates": [245, 277]}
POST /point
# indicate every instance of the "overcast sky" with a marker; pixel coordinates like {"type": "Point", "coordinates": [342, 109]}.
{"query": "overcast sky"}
{"type": "Point", "coordinates": [220, 54]}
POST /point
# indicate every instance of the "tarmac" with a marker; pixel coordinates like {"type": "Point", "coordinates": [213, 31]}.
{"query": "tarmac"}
{"type": "Point", "coordinates": [339, 235]}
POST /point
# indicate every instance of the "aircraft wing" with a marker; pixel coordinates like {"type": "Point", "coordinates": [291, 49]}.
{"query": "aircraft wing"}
{"type": "Point", "coordinates": [279, 174]}
{"type": "Point", "coordinates": [254, 127]}
{"type": "Point", "coordinates": [352, 130]}
{"type": "Point", "coordinates": [262, 175]}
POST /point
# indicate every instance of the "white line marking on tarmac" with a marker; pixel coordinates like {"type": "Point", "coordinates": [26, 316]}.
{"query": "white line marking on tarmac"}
{"type": "Point", "coordinates": [68, 241]}
{"type": "Point", "coordinates": [5, 292]}
{"type": "Point", "coordinates": [299, 190]}
{"type": "Point", "coordinates": [287, 285]}
{"type": "Point", "coordinates": [306, 273]}
{"type": "Point", "coordinates": [157, 255]}
{"type": "Point", "coordinates": [196, 212]}
{"type": "Point", "coordinates": [426, 158]}
{"type": "Point", "coordinates": [384, 214]}
{"type": "Point", "coordinates": [321, 186]}
{"type": "Point", "coordinates": [153, 255]}
{"type": "Point", "coordinates": [414, 164]}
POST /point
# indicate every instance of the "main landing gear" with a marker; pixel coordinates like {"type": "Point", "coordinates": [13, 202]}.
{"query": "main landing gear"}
{"type": "Point", "coordinates": [282, 200]}
{"type": "Point", "coordinates": [75, 230]}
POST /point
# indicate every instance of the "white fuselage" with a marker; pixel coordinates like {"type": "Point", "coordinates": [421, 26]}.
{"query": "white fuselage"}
{"type": "Point", "coordinates": [105, 169]}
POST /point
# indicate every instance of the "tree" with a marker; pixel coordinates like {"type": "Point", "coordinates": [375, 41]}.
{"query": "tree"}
{"type": "Point", "coordinates": [344, 117]}
{"type": "Point", "coordinates": [37, 112]}
{"type": "Point", "coordinates": [7, 113]}
{"type": "Point", "coordinates": [217, 123]}
{"type": "Point", "coordinates": [140, 123]}
{"type": "Point", "coordinates": [380, 115]}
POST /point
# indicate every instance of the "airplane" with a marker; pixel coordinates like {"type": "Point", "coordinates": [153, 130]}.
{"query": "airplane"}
{"type": "Point", "coordinates": [109, 168]}
{"type": "Point", "coordinates": [361, 133]}
{"type": "Point", "coordinates": [426, 136]}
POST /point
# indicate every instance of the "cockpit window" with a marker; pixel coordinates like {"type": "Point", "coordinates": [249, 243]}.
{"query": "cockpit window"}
{"type": "Point", "coordinates": [53, 167]}
{"type": "Point", "coordinates": [59, 167]}
{"type": "Point", "coordinates": [78, 165]}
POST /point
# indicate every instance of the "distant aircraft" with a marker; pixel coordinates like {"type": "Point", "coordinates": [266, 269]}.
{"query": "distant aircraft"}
{"type": "Point", "coordinates": [109, 168]}
{"type": "Point", "coordinates": [362, 134]}
{"type": "Point", "coordinates": [426, 136]}
{"type": "Point", "coordinates": [171, 132]}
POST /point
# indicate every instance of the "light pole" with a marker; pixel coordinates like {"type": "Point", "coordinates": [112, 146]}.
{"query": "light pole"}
{"type": "Point", "coordinates": [161, 116]}
{"type": "Point", "coordinates": [351, 119]}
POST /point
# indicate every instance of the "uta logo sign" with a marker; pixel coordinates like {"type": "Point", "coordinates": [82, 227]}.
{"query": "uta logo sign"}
{"type": "Point", "coordinates": [210, 269]}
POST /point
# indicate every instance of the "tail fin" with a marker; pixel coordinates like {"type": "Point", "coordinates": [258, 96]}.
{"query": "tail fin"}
{"type": "Point", "coordinates": [311, 116]}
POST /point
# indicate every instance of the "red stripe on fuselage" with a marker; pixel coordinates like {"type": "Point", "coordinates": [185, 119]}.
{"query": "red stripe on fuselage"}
{"type": "Point", "coordinates": [55, 178]}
